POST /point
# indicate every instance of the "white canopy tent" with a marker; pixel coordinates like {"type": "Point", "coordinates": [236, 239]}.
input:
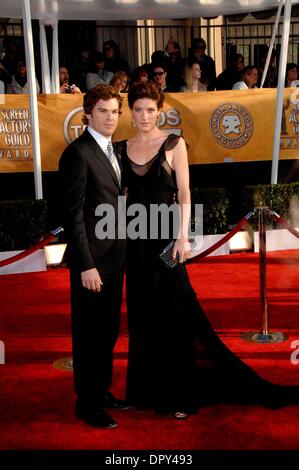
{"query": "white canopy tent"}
{"type": "Point", "coordinates": [51, 11]}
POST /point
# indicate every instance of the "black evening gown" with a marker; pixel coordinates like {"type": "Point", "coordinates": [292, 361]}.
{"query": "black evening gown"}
{"type": "Point", "coordinates": [176, 361]}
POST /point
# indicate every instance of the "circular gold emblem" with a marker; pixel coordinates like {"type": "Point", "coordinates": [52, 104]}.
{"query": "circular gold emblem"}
{"type": "Point", "coordinates": [231, 125]}
{"type": "Point", "coordinates": [65, 363]}
{"type": "Point", "coordinates": [73, 126]}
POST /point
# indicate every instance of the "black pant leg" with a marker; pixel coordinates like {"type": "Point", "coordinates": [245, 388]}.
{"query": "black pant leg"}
{"type": "Point", "coordinates": [95, 326]}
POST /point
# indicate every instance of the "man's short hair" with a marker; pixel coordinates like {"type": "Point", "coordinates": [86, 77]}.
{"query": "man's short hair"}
{"type": "Point", "coordinates": [99, 92]}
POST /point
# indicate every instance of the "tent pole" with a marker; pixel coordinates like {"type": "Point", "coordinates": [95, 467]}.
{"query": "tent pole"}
{"type": "Point", "coordinates": [55, 60]}
{"type": "Point", "coordinates": [280, 89]}
{"type": "Point", "coordinates": [46, 79]}
{"type": "Point", "coordinates": [33, 98]}
{"type": "Point", "coordinates": [274, 32]}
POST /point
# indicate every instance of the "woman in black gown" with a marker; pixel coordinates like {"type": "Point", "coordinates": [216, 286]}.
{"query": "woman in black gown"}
{"type": "Point", "coordinates": [176, 361]}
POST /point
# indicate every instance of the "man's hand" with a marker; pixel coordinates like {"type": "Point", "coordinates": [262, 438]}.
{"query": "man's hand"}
{"type": "Point", "coordinates": [75, 90]}
{"type": "Point", "coordinates": [91, 280]}
{"type": "Point", "coordinates": [64, 88]}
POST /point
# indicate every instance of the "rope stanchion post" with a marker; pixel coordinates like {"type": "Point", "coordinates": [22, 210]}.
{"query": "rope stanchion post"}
{"type": "Point", "coordinates": [264, 336]}
{"type": "Point", "coordinates": [262, 215]}
{"type": "Point", "coordinates": [34, 248]}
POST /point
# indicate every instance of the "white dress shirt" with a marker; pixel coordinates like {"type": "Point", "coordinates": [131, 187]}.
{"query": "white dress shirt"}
{"type": "Point", "coordinates": [240, 86]}
{"type": "Point", "coordinates": [103, 143]}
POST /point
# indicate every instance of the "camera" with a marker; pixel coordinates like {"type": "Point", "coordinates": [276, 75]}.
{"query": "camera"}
{"type": "Point", "coordinates": [70, 88]}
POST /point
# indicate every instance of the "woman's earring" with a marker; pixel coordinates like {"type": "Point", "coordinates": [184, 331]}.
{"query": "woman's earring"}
{"type": "Point", "coordinates": [133, 122]}
{"type": "Point", "coordinates": [158, 120]}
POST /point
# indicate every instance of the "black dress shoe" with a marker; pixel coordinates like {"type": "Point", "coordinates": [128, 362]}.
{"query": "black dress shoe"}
{"type": "Point", "coordinates": [109, 401]}
{"type": "Point", "coordinates": [99, 418]}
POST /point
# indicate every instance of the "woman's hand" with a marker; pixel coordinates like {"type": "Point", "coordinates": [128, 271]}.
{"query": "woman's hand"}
{"type": "Point", "coordinates": [181, 247]}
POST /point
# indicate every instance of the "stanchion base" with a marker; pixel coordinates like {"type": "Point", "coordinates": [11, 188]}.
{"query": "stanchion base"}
{"type": "Point", "coordinates": [65, 363]}
{"type": "Point", "coordinates": [270, 337]}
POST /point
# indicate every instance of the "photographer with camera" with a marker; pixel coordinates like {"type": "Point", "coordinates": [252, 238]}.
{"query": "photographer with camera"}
{"type": "Point", "coordinates": [64, 79]}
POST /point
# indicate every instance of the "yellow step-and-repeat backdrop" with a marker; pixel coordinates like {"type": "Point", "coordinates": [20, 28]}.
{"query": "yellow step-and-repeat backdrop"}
{"type": "Point", "coordinates": [225, 126]}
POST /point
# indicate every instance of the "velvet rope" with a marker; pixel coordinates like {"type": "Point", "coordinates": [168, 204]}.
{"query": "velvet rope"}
{"type": "Point", "coordinates": [31, 250]}
{"type": "Point", "coordinates": [223, 240]}
{"type": "Point", "coordinates": [284, 223]}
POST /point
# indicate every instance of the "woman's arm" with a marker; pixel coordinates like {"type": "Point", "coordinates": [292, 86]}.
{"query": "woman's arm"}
{"type": "Point", "coordinates": [181, 166]}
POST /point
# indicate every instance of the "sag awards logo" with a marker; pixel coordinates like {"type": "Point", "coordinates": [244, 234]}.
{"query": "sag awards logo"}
{"type": "Point", "coordinates": [73, 126]}
{"type": "Point", "coordinates": [231, 125]}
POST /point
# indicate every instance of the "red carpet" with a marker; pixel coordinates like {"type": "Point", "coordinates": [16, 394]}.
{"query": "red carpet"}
{"type": "Point", "coordinates": [37, 400]}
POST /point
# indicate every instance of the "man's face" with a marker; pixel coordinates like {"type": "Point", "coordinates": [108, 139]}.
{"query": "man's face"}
{"type": "Point", "coordinates": [21, 69]}
{"type": "Point", "coordinates": [108, 51]}
{"type": "Point", "coordinates": [239, 64]}
{"type": "Point", "coordinates": [104, 117]}
{"type": "Point", "coordinates": [63, 75]}
{"type": "Point", "coordinates": [200, 50]}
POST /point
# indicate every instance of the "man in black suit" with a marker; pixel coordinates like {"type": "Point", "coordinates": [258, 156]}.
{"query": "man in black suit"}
{"type": "Point", "coordinates": [90, 176]}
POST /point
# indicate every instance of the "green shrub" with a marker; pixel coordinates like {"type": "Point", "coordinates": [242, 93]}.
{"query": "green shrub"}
{"type": "Point", "coordinates": [215, 208]}
{"type": "Point", "coordinates": [281, 198]}
{"type": "Point", "coordinates": [22, 223]}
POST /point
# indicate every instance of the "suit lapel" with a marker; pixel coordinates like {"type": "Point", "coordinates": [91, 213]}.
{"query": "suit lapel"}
{"type": "Point", "coordinates": [101, 156]}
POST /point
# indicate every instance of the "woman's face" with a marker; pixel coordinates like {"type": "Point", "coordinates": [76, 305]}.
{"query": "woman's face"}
{"type": "Point", "coordinates": [100, 65]}
{"type": "Point", "coordinates": [196, 72]}
{"type": "Point", "coordinates": [251, 78]}
{"type": "Point", "coordinates": [120, 83]}
{"type": "Point", "coordinates": [145, 114]}
{"type": "Point", "coordinates": [292, 74]}
{"type": "Point", "coordinates": [159, 75]}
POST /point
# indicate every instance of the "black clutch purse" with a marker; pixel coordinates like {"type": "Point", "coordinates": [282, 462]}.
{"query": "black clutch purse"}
{"type": "Point", "coordinates": [166, 256]}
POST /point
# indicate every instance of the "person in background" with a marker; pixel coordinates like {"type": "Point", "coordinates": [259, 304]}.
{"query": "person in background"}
{"type": "Point", "coordinates": [291, 74]}
{"type": "Point", "coordinates": [139, 74]}
{"type": "Point", "coordinates": [231, 75]}
{"type": "Point", "coordinates": [207, 64]}
{"type": "Point", "coordinates": [19, 83]}
{"type": "Point", "coordinates": [159, 75]}
{"type": "Point", "coordinates": [192, 78]}
{"type": "Point", "coordinates": [113, 59]}
{"type": "Point", "coordinates": [99, 74]}
{"type": "Point", "coordinates": [120, 81]}
{"type": "Point", "coordinates": [272, 73]}
{"type": "Point", "coordinates": [249, 78]}
{"type": "Point", "coordinates": [4, 76]}
{"type": "Point", "coordinates": [14, 52]}
{"type": "Point", "coordinates": [175, 65]}
{"type": "Point", "coordinates": [64, 82]}
{"type": "Point", "coordinates": [82, 66]}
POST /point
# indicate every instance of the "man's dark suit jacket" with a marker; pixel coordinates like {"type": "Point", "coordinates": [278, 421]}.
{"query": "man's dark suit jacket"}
{"type": "Point", "coordinates": [88, 179]}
